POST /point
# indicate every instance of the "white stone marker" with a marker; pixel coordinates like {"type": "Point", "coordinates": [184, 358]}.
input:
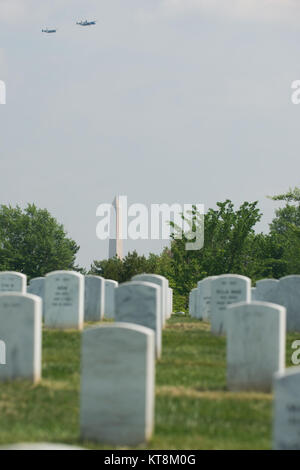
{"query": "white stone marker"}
{"type": "Point", "coordinates": [21, 332]}
{"type": "Point", "coordinates": [286, 423]}
{"type": "Point", "coordinates": [64, 300]}
{"type": "Point", "coordinates": [289, 296]}
{"type": "Point", "coordinates": [109, 298]}
{"type": "Point", "coordinates": [267, 290]}
{"type": "Point", "coordinates": [227, 289]}
{"type": "Point", "coordinates": [117, 384]}
{"type": "Point", "coordinates": [170, 290]}
{"type": "Point", "coordinates": [204, 297]}
{"type": "Point", "coordinates": [37, 287]}
{"type": "Point", "coordinates": [253, 294]}
{"type": "Point", "coordinates": [139, 303]}
{"type": "Point", "coordinates": [255, 345]}
{"type": "Point", "coordinates": [192, 302]}
{"type": "Point", "coordinates": [11, 281]}
{"type": "Point", "coordinates": [164, 285]}
{"type": "Point", "coordinates": [94, 296]}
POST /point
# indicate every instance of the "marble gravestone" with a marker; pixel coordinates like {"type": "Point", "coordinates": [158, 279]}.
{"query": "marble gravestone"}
{"type": "Point", "coordinates": [253, 294]}
{"type": "Point", "coordinates": [37, 287]}
{"type": "Point", "coordinates": [227, 289]}
{"type": "Point", "coordinates": [164, 285]}
{"type": "Point", "coordinates": [289, 296]}
{"type": "Point", "coordinates": [204, 297]}
{"type": "Point", "coordinates": [94, 296]}
{"type": "Point", "coordinates": [192, 302]}
{"type": "Point", "coordinates": [21, 332]}
{"type": "Point", "coordinates": [117, 384]}
{"type": "Point", "coordinates": [109, 298]}
{"type": "Point", "coordinates": [267, 290]}
{"type": "Point", "coordinates": [139, 303]}
{"type": "Point", "coordinates": [64, 300]}
{"type": "Point", "coordinates": [255, 345]}
{"type": "Point", "coordinates": [286, 422]}
{"type": "Point", "coordinates": [11, 281]}
{"type": "Point", "coordinates": [170, 290]}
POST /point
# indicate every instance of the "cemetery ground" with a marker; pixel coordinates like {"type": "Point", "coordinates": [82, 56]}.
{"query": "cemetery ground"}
{"type": "Point", "coordinates": [193, 408]}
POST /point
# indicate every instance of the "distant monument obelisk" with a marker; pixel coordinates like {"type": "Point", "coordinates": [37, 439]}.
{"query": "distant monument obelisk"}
{"type": "Point", "coordinates": [116, 244]}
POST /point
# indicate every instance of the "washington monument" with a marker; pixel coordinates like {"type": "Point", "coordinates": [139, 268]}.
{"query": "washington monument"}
{"type": "Point", "coordinates": [116, 243]}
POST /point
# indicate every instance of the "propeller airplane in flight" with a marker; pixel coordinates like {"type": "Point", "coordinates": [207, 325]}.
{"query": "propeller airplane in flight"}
{"type": "Point", "coordinates": [86, 23]}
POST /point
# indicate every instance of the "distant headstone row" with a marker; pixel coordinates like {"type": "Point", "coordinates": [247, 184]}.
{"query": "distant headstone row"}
{"type": "Point", "coordinates": [210, 299]}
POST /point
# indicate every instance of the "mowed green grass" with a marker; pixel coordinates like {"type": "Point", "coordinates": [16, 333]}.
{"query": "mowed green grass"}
{"type": "Point", "coordinates": [193, 408]}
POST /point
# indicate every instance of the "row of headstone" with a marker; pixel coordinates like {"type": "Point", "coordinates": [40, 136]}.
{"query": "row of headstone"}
{"type": "Point", "coordinates": [117, 393]}
{"type": "Point", "coordinates": [117, 365]}
{"type": "Point", "coordinates": [284, 292]}
{"type": "Point", "coordinates": [69, 298]}
{"type": "Point", "coordinates": [255, 322]}
{"type": "Point", "coordinates": [210, 299]}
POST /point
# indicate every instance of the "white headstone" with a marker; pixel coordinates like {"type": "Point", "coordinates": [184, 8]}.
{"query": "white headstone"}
{"type": "Point", "coordinates": [164, 285]}
{"type": "Point", "coordinates": [117, 384]}
{"type": "Point", "coordinates": [109, 298]}
{"type": "Point", "coordinates": [170, 290]}
{"type": "Point", "coordinates": [255, 345]}
{"type": "Point", "coordinates": [94, 295]}
{"type": "Point", "coordinates": [253, 294]}
{"type": "Point", "coordinates": [227, 289]}
{"type": "Point", "coordinates": [64, 300]}
{"type": "Point", "coordinates": [289, 296]}
{"type": "Point", "coordinates": [21, 332]}
{"type": "Point", "coordinates": [203, 304]}
{"type": "Point", "coordinates": [139, 302]}
{"type": "Point", "coordinates": [37, 287]}
{"type": "Point", "coordinates": [192, 302]}
{"type": "Point", "coordinates": [11, 281]}
{"type": "Point", "coordinates": [267, 290]}
{"type": "Point", "coordinates": [286, 423]}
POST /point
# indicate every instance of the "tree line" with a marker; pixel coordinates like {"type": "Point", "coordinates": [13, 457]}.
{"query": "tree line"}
{"type": "Point", "coordinates": [34, 243]}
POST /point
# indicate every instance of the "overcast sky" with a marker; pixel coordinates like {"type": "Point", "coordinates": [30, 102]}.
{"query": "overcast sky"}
{"type": "Point", "coordinates": [164, 101]}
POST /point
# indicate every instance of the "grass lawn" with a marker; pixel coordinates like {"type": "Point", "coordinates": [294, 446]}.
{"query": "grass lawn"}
{"type": "Point", "coordinates": [193, 408]}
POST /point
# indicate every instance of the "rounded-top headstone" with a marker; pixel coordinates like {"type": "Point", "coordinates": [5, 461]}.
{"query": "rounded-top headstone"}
{"type": "Point", "coordinates": [109, 302]}
{"type": "Point", "coordinates": [117, 384]}
{"type": "Point", "coordinates": [164, 284]}
{"type": "Point", "coordinates": [94, 297]}
{"type": "Point", "coordinates": [289, 296]}
{"type": "Point", "coordinates": [203, 302]}
{"type": "Point", "coordinates": [11, 281]}
{"type": "Point", "coordinates": [255, 345]}
{"type": "Point", "coordinates": [138, 302]}
{"type": "Point", "coordinates": [21, 333]}
{"type": "Point", "coordinates": [64, 300]}
{"type": "Point", "coordinates": [286, 423]}
{"type": "Point", "coordinates": [227, 289]}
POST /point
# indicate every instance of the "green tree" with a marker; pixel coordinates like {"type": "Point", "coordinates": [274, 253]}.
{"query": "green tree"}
{"type": "Point", "coordinates": [227, 236]}
{"type": "Point", "coordinates": [285, 230]}
{"type": "Point", "coordinates": [33, 242]}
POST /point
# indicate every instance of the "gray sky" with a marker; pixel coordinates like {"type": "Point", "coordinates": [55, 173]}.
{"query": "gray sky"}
{"type": "Point", "coordinates": [164, 101]}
